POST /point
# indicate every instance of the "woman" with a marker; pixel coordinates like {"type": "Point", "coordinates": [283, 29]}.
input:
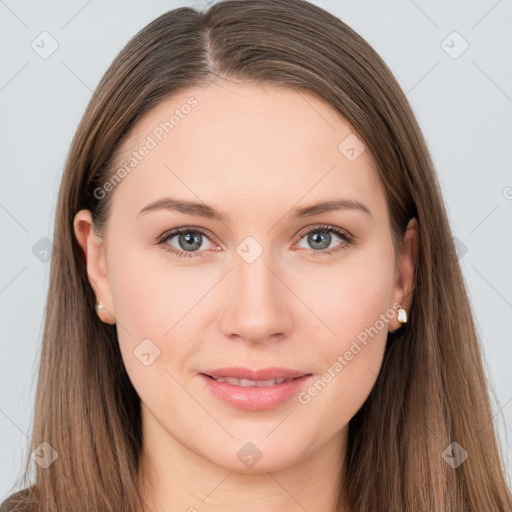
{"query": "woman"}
{"type": "Point", "coordinates": [255, 301]}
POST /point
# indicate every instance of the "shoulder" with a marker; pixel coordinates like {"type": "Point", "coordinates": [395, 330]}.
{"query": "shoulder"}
{"type": "Point", "coordinates": [17, 502]}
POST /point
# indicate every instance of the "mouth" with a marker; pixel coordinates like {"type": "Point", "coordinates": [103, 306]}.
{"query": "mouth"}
{"type": "Point", "coordinates": [245, 383]}
{"type": "Point", "coordinates": [255, 390]}
{"type": "Point", "coordinates": [246, 377]}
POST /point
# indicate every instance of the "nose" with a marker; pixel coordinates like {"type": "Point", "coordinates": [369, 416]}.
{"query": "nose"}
{"type": "Point", "coordinates": [259, 305]}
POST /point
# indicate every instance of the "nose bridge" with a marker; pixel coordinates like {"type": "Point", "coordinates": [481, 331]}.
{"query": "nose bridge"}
{"type": "Point", "coordinates": [258, 308]}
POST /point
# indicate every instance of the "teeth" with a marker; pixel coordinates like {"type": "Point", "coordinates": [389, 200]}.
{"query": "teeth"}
{"type": "Point", "coordinates": [247, 383]}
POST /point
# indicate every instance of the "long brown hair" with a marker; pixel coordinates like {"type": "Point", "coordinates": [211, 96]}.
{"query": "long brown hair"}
{"type": "Point", "coordinates": [431, 390]}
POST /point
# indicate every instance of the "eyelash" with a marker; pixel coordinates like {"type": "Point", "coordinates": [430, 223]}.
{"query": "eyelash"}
{"type": "Point", "coordinates": [168, 235]}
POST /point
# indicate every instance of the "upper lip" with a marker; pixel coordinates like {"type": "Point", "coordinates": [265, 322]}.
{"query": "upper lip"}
{"type": "Point", "coordinates": [261, 374]}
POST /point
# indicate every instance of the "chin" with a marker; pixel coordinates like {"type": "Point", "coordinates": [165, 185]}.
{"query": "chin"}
{"type": "Point", "coordinates": [252, 456]}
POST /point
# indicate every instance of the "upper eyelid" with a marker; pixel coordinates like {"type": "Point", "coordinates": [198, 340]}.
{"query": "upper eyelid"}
{"type": "Point", "coordinates": [171, 233]}
{"type": "Point", "coordinates": [327, 227]}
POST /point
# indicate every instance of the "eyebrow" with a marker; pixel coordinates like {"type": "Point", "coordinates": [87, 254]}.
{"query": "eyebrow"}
{"type": "Point", "coordinates": [329, 206]}
{"type": "Point", "coordinates": [203, 210]}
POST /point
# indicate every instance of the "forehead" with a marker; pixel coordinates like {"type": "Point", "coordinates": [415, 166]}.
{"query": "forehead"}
{"type": "Point", "coordinates": [247, 144]}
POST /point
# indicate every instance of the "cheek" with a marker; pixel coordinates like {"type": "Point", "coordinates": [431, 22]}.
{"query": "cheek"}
{"type": "Point", "coordinates": [351, 297]}
{"type": "Point", "coordinates": [157, 310]}
{"type": "Point", "coordinates": [145, 298]}
{"type": "Point", "coordinates": [146, 309]}
{"type": "Point", "coordinates": [350, 365]}
{"type": "Point", "coordinates": [354, 303]}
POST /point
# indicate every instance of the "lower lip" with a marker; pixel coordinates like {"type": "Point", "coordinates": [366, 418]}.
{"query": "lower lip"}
{"type": "Point", "coordinates": [253, 398]}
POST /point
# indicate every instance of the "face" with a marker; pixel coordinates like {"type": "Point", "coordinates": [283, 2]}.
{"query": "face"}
{"type": "Point", "coordinates": [250, 276]}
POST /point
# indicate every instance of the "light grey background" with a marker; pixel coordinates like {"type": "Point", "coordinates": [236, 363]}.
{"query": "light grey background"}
{"type": "Point", "coordinates": [463, 104]}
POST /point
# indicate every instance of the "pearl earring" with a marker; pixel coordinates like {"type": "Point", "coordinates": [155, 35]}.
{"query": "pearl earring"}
{"type": "Point", "coordinates": [99, 307]}
{"type": "Point", "coordinates": [402, 315]}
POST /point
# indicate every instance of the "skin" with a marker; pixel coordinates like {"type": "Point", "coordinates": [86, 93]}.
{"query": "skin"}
{"type": "Point", "coordinates": [253, 152]}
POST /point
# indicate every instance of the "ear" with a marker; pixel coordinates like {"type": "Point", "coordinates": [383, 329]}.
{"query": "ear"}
{"type": "Point", "coordinates": [96, 264]}
{"type": "Point", "coordinates": [404, 282]}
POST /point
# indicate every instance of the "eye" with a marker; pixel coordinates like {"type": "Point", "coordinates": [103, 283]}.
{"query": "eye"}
{"type": "Point", "coordinates": [188, 241]}
{"type": "Point", "coordinates": [184, 242]}
{"type": "Point", "coordinates": [321, 237]}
